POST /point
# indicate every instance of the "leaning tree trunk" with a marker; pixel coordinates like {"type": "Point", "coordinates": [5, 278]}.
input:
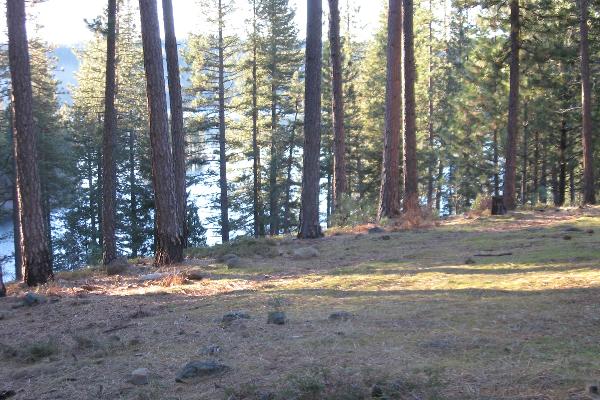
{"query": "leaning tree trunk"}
{"type": "Point", "coordinates": [410, 203]}
{"type": "Point", "coordinates": [224, 202]}
{"type": "Point", "coordinates": [109, 168]}
{"type": "Point", "coordinates": [389, 195]}
{"type": "Point", "coordinates": [589, 193]}
{"type": "Point", "coordinates": [177, 131]}
{"type": "Point", "coordinates": [35, 251]}
{"type": "Point", "coordinates": [339, 138]}
{"type": "Point", "coordinates": [513, 109]}
{"type": "Point", "coordinates": [169, 234]}
{"type": "Point", "coordinates": [309, 213]}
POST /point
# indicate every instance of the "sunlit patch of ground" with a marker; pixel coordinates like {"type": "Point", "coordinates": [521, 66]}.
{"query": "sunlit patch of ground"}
{"type": "Point", "coordinates": [476, 308]}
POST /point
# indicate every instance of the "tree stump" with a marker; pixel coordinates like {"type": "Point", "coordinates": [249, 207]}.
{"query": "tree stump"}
{"type": "Point", "coordinates": [498, 206]}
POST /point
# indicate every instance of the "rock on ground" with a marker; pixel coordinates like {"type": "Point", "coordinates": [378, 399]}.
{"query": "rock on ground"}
{"type": "Point", "coordinates": [140, 376]}
{"type": "Point", "coordinates": [32, 299]}
{"type": "Point", "coordinates": [276, 318]}
{"type": "Point", "coordinates": [376, 229]}
{"type": "Point", "coordinates": [235, 262]}
{"type": "Point", "coordinates": [234, 315]}
{"type": "Point", "coordinates": [304, 253]}
{"type": "Point", "coordinates": [200, 369]}
{"type": "Point", "coordinates": [340, 316]}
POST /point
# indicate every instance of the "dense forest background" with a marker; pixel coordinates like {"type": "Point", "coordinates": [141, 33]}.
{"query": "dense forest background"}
{"type": "Point", "coordinates": [462, 54]}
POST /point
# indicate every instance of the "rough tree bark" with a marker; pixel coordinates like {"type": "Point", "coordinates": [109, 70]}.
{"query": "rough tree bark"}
{"type": "Point", "coordinates": [109, 167]}
{"type": "Point", "coordinates": [389, 195]}
{"type": "Point", "coordinates": [15, 200]}
{"type": "Point", "coordinates": [259, 225]}
{"type": "Point", "coordinates": [513, 109]}
{"type": "Point", "coordinates": [309, 213]}
{"type": "Point", "coordinates": [36, 257]}
{"type": "Point", "coordinates": [177, 131]}
{"type": "Point", "coordinates": [430, 166]}
{"type": "Point", "coordinates": [562, 163]}
{"type": "Point", "coordinates": [525, 158]}
{"type": "Point", "coordinates": [589, 192]}
{"type": "Point", "coordinates": [410, 202]}
{"type": "Point", "coordinates": [224, 201]}
{"type": "Point", "coordinates": [339, 137]}
{"type": "Point", "coordinates": [169, 235]}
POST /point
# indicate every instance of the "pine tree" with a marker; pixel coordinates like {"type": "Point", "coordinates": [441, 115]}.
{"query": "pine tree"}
{"type": "Point", "coordinates": [309, 217]}
{"type": "Point", "coordinates": [35, 251]}
{"type": "Point", "coordinates": [169, 235]}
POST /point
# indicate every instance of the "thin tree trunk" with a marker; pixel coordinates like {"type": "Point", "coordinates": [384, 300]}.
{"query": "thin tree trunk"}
{"type": "Point", "coordinates": [438, 192]}
{"type": "Point", "coordinates": [572, 183]}
{"type": "Point", "coordinates": [35, 251]}
{"type": "Point", "coordinates": [177, 131]}
{"type": "Point", "coordinates": [109, 170]}
{"type": "Point", "coordinates": [259, 225]}
{"type": "Point", "coordinates": [309, 216]}
{"type": "Point", "coordinates": [544, 177]}
{"type": "Point", "coordinates": [536, 168]}
{"type": "Point", "coordinates": [430, 166]}
{"type": "Point", "coordinates": [340, 182]}
{"type": "Point", "coordinates": [562, 162]}
{"type": "Point", "coordinates": [389, 196]}
{"type": "Point", "coordinates": [555, 189]}
{"type": "Point", "coordinates": [496, 166]}
{"type": "Point", "coordinates": [525, 159]}
{"type": "Point", "coordinates": [589, 192]}
{"type": "Point", "coordinates": [273, 187]}
{"type": "Point", "coordinates": [169, 234]}
{"type": "Point", "coordinates": [513, 109]}
{"type": "Point", "coordinates": [134, 240]}
{"type": "Point", "coordinates": [410, 202]}
{"type": "Point", "coordinates": [222, 140]}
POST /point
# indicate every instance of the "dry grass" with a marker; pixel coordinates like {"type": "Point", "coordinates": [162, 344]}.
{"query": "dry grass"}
{"type": "Point", "coordinates": [425, 324]}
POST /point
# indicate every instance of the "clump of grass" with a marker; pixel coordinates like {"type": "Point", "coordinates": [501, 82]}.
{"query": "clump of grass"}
{"type": "Point", "coordinates": [172, 280]}
{"type": "Point", "coordinates": [40, 350]}
{"type": "Point", "coordinates": [78, 274]}
{"type": "Point", "coordinates": [242, 247]}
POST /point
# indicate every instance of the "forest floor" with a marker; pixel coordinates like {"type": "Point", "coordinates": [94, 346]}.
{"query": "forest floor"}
{"type": "Point", "coordinates": [474, 308]}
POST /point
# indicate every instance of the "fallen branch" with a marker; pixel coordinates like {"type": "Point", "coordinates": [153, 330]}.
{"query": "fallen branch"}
{"type": "Point", "coordinates": [493, 255]}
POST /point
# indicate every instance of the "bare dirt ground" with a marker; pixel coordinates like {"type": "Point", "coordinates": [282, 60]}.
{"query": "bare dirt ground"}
{"type": "Point", "coordinates": [475, 308]}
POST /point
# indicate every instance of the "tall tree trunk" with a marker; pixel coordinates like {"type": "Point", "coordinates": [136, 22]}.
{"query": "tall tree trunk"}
{"type": "Point", "coordinates": [259, 224]}
{"type": "Point", "coordinates": [496, 166]}
{"type": "Point", "coordinates": [525, 159]}
{"type": "Point", "coordinates": [562, 162]}
{"type": "Point", "coordinates": [98, 192]}
{"type": "Point", "coordinates": [431, 162]}
{"type": "Point", "coordinates": [273, 186]}
{"type": "Point", "coordinates": [340, 182]}
{"type": "Point", "coordinates": [410, 203]}
{"type": "Point", "coordinates": [177, 131]}
{"type": "Point", "coordinates": [589, 192]}
{"type": "Point", "coordinates": [224, 201]}
{"type": "Point", "coordinates": [134, 239]}
{"type": "Point", "coordinates": [169, 234]}
{"type": "Point", "coordinates": [536, 168]}
{"type": "Point", "coordinates": [2, 287]}
{"type": "Point", "coordinates": [438, 192]}
{"type": "Point", "coordinates": [309, 215]}
{"type": "Point", "coordinates": [389, 196]}
{"type": "Point", "coordinates": [544, 177]}
{"type": "Point", "coordinates": [513, 108]}
{"type": "Point", "coordinates": [35, 251]}
{"type": "Point", "coordinates": [572, 183]}
{"type": "Point", "coordinates": [109, 170]}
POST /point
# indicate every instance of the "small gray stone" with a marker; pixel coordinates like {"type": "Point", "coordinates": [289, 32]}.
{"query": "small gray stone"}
{"type": "Point", "coordinates": [212, 349]}
{"type": "Point", "coordinates": [572, 229]}
{"type": "Point", "coordinates": [140, 376]}
{"type": "Point", "coordinates": [470, 261]}
{"type": "Point", "coordinates": [375, 230]}
{"type": "Point", "coordinates": [200, 369]}
{"type": "Point", "coordinates": [234, 315]}
{"type": "Point", "coordinates": [117, 266]}
{"type": "Point", "coordinates": [386, 237]}
{"type": "Point", "coordinates": [340, 316]}
{"type": "Point", "coordinates": [32, 299]}
{"type": "Point", "coordinates": [276, 318]}
{"type": "Point", "coordinates": [304, 253]}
